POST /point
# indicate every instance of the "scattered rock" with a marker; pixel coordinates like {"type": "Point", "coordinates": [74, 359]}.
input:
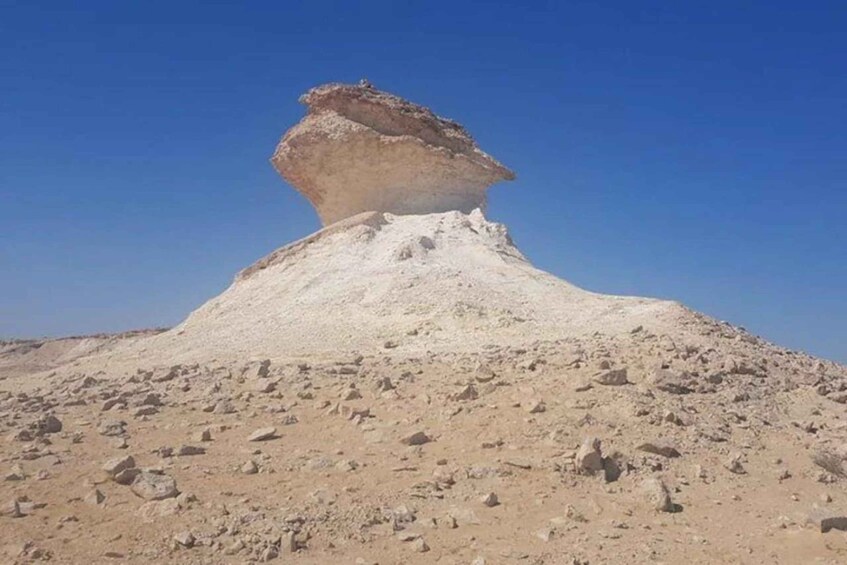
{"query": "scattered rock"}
{"type": "Point", "coordinates": [589, 458]}
{"type": "Point", "coordinates": [658, 495]}
{"type": "Point", "coordinates": [112, 428]}
{"type": "Point", "coordinates": [468, 392]}
{"type": "Point", "coordinates": [151, 486]}
{"type": "Point", "coordinates": [126, 476]}
{"type": "Point", "coordinates": [16, 474]}
{"type": "Point", "coordinates": [263, 434]}
{"type": "Point", "coordinates": [417, 438]}
{"type": "Point", "coordinates": [95, 497]}
{"type": "Point", "coordinates": [612, 377]}
{"type": "Point", "coordinates": [670, 382]}
{"type": "Point", "coordinates": [184, 539]}
{"type": "Point", "coordinates": [826, 519]}
{"type": "Point", "coordinates": [13, 510]}
{"type": "Point", "coordinates": [118, 464]}
{"type": "Point", "coordinates": [224, 406]}
{"type": "Point", "coordinates": [186, 450]}
{"type": "Point", "coordinates": [534, 405]}
{"type": "Point", "coordinates": [734, 464]}
{"type": "Point", "coordinates": [420, 545]}
{"type": "Point", "coordinates": [659, 448]}
{"type": "Point", "coordinates": [48, 424]}
{"type": "Point", "coordinates": [490, 500]}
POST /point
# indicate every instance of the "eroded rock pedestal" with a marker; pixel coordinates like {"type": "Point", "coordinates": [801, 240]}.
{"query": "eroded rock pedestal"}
{"type": "Point", "coordinates": [359, 149]}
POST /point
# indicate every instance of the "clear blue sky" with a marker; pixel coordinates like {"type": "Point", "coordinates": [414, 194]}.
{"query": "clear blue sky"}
{"type": "Point", "coordinates": [687, 150]}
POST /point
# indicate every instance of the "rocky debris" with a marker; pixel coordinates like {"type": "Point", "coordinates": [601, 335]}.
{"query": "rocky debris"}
{"type": "Point", "coordinates": [490, 500]}
{"type": "Point", "coordinates": [13, 509]}
{"type": "Point", "coordinates": [830, 461]}
{"type": "Point", "coordinates": [589, 458]}
{"type": "Point", "coordinates": [184, 539]}
{"type": "Point", "coordinates": [114, 466]}
{"type": "Point", "coordinates": [534, 405]}
{"type": "Point", "coordinates": [263, 434]}
{"type": "Point", "coordinates": [351, 394]}
{"type": "Point", "coordinates": [153, 486]}
{"type": "Point", "coordinates": [145, 411]}
{"type": "Point", "coordinates": [417, 438]}
{"type": "Point", "coordinates": [48, 424]}
{"type": "Point", "coordinates": [659, 448]}
{"type": "Point", "coordinates": [420, 545]}
{"type": "Point", "coordinates": [112, 428]}
{"type": "Point", "coordinates": [734, 464]}
{"type": "Point", "coordinates": [95, 497]}
{"type": "Point", "coordinates": [612, 377]}
{"type": "Point", "coordinates": [360, 149]}
{"type": "Point", "coordinates": [261, 370]}
{"type": "Point", "coordinates": [224, 406]}
{"type": "Point", "coordinates": [187, 450]}
{"type": "Point", "coordinates": [658, 495]}
{"type": "Point", "coordinates": [826, 519]}
{"type": "Point", "coordinates": [670, 382]}
{"type": "Point", "coordinates": [250, 468]}
{"type": "Point", "coordinates": [468, 392]}
{"type": "Point", "coordinates": [15, 474]}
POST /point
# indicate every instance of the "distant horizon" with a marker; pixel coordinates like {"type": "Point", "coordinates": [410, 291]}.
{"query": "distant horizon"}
{"type": "Point", "coordinates": [692, 153]}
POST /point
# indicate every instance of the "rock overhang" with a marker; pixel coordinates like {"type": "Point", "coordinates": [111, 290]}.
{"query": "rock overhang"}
{"type": "Point", "coordinates": [359, 149]}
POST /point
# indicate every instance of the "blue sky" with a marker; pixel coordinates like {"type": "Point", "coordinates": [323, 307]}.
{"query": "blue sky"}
{"type": "Point", "coordinates": [687, 150]}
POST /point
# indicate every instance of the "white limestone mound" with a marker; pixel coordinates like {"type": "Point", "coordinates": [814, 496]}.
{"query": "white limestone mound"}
{"type": "Point", "coordinates": [448, 281]}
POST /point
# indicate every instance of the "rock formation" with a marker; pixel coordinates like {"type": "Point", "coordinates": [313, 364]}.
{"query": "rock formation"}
{"type": "Point", "coordinates": [408, 388]}
{"type": "Point", "coordinates": [359, 149]}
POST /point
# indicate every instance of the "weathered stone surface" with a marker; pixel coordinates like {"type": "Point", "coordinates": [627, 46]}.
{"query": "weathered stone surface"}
{"type": "Point", "coordinates": [827, 519]}
{"type": "Point", "coordinates": [263, 434]}
{"type": "Point", "coordinates": [612, 377]}
{"type": "Point", "coordinates": [658, 495]}
{"type": "Point", "coordinates": [360, 149]}
{"type": "Point", "coordinates": [589, 458]}
{"type": "Point", "coordinates": [659, 448]}
{"type": "Point", "coordinates": [417, 438]}
{"type": "Point", "coordinates": [151, 486]}
{"type": "Point", "coordinates": [118, 464]}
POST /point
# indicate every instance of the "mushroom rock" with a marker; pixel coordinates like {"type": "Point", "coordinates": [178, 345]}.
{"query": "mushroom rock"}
{"type": "Point", "coordinates": [359, 149]}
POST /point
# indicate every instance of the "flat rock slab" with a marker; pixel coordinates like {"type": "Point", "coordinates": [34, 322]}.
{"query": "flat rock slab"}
{"type": "Point", "coordinates": [659, 448]}
{"type": "Point", "coordinates": [263, 434]}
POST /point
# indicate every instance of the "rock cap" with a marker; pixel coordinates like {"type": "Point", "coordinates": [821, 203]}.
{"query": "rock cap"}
{"type": "Point", "coordinates": [359, 149]}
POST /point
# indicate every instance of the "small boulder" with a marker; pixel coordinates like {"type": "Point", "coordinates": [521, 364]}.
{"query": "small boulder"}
{"type": "Point", "coordinates": [490, 500]}
{"type": "Point", "coordinates": [95, 497]}
{"type": "Point", "coordinates": [417, 438]}
{"type": "Point", "coordinates": [151, 486]}
{"type": "Point", "coordinates": [184, 539]}
{"type": "Point", "coordinates": [589, 458]}
{"type": "Point", "coordinates": [185, 450]}
{"type": "Point", "coordinates": [659, 448]}
{"type": "Point", "coordinates": [117, 464]}
{"type": "Point", "coordinates": [48, 424]}
{"type": "Point", "coordinates": [612, 377]}
{"type": "Point", "coordinates": [658, 495]}
{"type": "Point", "coordinates": [826, 519]}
